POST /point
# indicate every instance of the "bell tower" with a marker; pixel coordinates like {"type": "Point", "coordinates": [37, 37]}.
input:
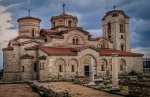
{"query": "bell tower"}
{"type": "Point", "coordinates": [115, 27]}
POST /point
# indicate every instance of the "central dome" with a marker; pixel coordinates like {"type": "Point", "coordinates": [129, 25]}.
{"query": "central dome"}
{"type": "Point", "coordinates": [65, 20]}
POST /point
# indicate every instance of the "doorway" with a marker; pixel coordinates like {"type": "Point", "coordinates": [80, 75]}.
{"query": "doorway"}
{"type": "Point", "coordinates": [86, 70]}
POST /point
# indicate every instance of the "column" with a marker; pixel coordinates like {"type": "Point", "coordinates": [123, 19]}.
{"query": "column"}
{"type": "Point", "coordinates": [115, 72]}
{"type": "Point", "coordinates": [91, 68]}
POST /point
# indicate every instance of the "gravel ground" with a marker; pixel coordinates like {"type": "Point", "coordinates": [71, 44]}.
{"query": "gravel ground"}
{"type": "Point", "coordinates": [16, 90]}
{"type": "Point", "coordinates": [81, 91]}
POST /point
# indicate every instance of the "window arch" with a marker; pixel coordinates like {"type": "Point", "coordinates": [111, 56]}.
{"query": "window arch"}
{"type": "Point", "coordinates": [75, 40]}
{"type": "Point", "coordinates": [103, 44]}
{"type": "Point", "coordinates": [60, 65]}
{"type": "Point", "coordinates": [60, 22]}
{"type": "Point", "coordinates": [53, 24]}
{"type": "Point", "coordinates": [69, 23]}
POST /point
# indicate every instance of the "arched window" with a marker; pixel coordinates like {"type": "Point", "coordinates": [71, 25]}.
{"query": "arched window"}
{"type": "Point", "coordinates": [75, 40]}
{"type": "Point", "coordinates": [22, 68]}
{"type": "Point", "coordinates": [109, 30]}
{"type": "Point", "coordinates": [35, 67]}
{"type": "Point", "coordinates": [60, 68]}
{"type": "Point", "coordinates": [103, 65]}
{"type": "Point", "coordinates": [69, 23]}
{"type": "Point", "coordinates": [32, 33]}
{"type": "Point", "coordinates": [122, 65]}
{"type": "Point", "coordinates": [103, 45]}
{"type": "Point", "coordinates": [121, 25]}
{"type": "Point", "coordinates": [72, 68]}
{"type": "Point", "coordinates": [122, 47]}
{"type": "Point", "coordinates": [60, 22]}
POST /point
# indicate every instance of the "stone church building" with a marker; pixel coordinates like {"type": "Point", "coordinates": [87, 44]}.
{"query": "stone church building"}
{"type": "Point", "coordinates": [64, 50]}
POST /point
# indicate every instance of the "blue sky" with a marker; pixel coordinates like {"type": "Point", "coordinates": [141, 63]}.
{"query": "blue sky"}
{"type": "Point", "coordinates": [89, 13]}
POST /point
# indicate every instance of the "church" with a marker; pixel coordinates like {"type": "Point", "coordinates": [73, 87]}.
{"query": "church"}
{"type": "Point", "coordinates": [64, 50]}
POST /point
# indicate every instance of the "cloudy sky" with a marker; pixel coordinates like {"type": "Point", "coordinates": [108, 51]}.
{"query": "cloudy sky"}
{"type": "Point", "coordinates": [89, 13]}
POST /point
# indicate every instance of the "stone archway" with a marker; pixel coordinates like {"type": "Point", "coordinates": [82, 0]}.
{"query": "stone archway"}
{"type": "Point", "coordinates": [84, 68]}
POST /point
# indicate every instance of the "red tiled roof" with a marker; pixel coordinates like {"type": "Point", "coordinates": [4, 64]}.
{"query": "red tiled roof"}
{"type": "Point", "coordinates": [48, 31]}
{"type": "Point", "coordinates": [56, 36]}
{"type": "Point", "coordinates": [29, 37]}
{"type": "Point", "coordinates": [26, 56]}
{"type": "Point", "coordinates": [84, 47]}
{"type": "Point", "coordinates": [58, 51]}
{"type": "Point", "coordinates": [119, 53]}
{"type": "Point", "coordinates": [26, 42]}
{"type": "Point", "coordinates": [14, 42]}
{"type": "Point", "coordinates": [42, 58]}
{"type": "Point", "coordinates": [9, 48]}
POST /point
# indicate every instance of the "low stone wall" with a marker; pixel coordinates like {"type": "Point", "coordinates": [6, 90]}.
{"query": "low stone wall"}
{"type": "Point", "coordinates": [138, 89]}
{"type": "Point", "coordinates": [50, 91]}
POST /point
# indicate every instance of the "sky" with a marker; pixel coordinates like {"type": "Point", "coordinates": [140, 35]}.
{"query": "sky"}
{"type": "Point", "coordinates": [89, 13]}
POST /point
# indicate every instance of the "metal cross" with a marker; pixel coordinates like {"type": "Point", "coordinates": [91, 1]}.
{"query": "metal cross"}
{"type": "Point", "coordinates": [114, 7]}
{"type": "Point", "coordinates": [63, 7]}
{"type": "Point", "coordinates": [29, 12]}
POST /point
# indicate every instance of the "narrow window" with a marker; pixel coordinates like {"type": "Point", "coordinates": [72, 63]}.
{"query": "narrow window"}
{"type": "Point", "coordinates": [72, 68]}
{"type": "Point", "coordinates": [35, 67]}
{"type": "Point", "coordinates": [77, 41]}
{"type": "Point", "coordinates": [32, 33]}
{"type": "Point", "coordinates": [109, 28]}
{"type": "Point", "coordinates": [122, 48]}
{"type": "Point", "coordinates": [22, 68]}
{"type": "Point", "coordinates": [121, 36]}
{"type": "Point", "coordinates": [103, 45]}
{"type": "Point", "coordinates": [102, 68]}
{"type": "Point", "coordinates": [69, 23]}
{"type": "Point", "coordinates": [60, 68]}
{"type": "Point", "coordinates": [73, 41]}
{"type": "Point", "coordinates": [121, 67]}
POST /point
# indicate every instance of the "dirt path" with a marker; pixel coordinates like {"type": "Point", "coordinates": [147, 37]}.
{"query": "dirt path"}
{"type": "Point", "coordinates": [16, 90]}
{"type": "Point", "coordinates": [81, 91]}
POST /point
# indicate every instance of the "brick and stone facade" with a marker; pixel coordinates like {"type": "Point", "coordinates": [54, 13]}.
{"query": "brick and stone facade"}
{"type": "Point", "coordinates": [64, 51]}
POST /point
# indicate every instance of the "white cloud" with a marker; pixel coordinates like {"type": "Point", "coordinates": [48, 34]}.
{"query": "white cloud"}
{"type": "Point", "coordinates": [5, 33]}
{"type": "Point", "coordinates": [133, 39]}
{"type": "Point", "coordinates": [95, 32]}
{"type": "Point", "coordinates": [143, 50]}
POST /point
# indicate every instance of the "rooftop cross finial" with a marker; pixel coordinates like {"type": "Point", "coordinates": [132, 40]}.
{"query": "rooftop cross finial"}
{"type": "Point", "coordinates": [114, 7]}
{"type": "Point", "coordinates": [63, 7]}
{"type": "Point", "coordinates": [29, 12]}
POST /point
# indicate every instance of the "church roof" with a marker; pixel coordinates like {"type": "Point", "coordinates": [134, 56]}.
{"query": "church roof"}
{"type": "Point", "coordinates": [27, 56]}
{"type": "Point", "coordinates": [58, 51]}
{"type": "Point", "coordinates": [29, 17]}
{"type": "Point", "coordinates": [108, 52]}
{"type": "Point", "coordinates": [8, 48]}
{"type": "Point", "coordinates": [63, 15]}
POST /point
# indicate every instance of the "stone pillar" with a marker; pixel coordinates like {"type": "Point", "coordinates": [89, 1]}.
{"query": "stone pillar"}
{"type": "Point", "coordinates": [91, 68]}
{"type": "Point", "coordinates": [115, 72]}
